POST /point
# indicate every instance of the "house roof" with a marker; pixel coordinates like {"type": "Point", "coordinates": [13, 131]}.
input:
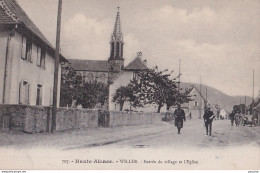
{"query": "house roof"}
{"type": "Point", "coordinates": [89, 65]}
{"type": "Point", "coordinates": [12, 13]}
{"type": "Point", "coordinates": [136, 64]}
{"type": "Point", "coordinates": [4, 17]}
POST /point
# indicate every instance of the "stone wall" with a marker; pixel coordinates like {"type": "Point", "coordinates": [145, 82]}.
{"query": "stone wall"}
{"type": "Point", "coordinates": [76, 118]}
{"type": "Point", "coordinates": [37, 119]}
{"type": "Point", "coordinates": [133, 118]}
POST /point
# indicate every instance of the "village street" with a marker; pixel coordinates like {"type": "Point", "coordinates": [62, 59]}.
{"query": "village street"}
{"type": "Point", "coordinates": [156, 146]}
{"type": "Point", "coordinates": [159, 135]}
{"type": "Point", "coordinates": [143, 145]}
{"type": "Point", "coordinates": [193, 135]}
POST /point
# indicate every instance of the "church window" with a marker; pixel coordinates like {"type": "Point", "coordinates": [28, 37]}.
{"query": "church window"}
{"type": "Point", "coordinates": [112, 50]}
{"type": "Point", "coordinates": [102, 78]}
{"type": "Point", "coordinates": [90, 77]}
{"type": "Point", "coordinates": [122, 50]}
{"type": "Point", "coordinates": [117, 49]}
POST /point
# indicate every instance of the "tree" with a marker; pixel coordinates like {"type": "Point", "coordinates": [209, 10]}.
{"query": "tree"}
{"type": "Point", "coordinates": [70, 83]}
{"type": "Point", "coordinates": [155, 87]}
{"type": "Point", "coordinates": [126, 93]}
{"type": "Point", "coordinates": [92, 94]}
{"type": "Point", "coordinates": [241, 108]}
{"type": "Point", "coordinates": [73, 89]}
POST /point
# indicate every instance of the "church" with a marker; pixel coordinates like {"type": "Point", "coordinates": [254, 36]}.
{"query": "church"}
{"type": "Point", "coordinates": [112, 71]}
{"type": "Point", "coordinates": [104, 70]}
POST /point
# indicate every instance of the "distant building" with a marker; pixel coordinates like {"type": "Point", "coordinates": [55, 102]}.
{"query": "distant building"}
{"type": "Point", "coordinates": [196, 107]}
{"type": "Point", "coordinates": [27, 59]}
{"type": "Point", "coordinates": [103, 70]}
{"type": "Point", "coordinates": [256, 111]}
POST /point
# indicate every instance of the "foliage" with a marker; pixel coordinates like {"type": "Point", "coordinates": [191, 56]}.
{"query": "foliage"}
{"type": "Point", "coordinates": [70, 82]}
{"type": "Point", "coordinates": [92, 94]}
{"type": "Point", "coordinates": [75, 92]}
{"type": "Point", "coordinates": [240, 108]}
{"type": "Point", "coordinates": [126, 93]}
{"type": "Point", "coordinates": [151, 86]}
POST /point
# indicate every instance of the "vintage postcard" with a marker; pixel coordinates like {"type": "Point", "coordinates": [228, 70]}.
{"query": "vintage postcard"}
{"type": "Point", "coordinates": [139, 85]}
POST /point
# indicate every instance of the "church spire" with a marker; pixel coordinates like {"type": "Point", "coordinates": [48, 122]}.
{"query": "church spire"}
{"type": "Point", "coordinates": [117, 33]}
{"type": "Point", "coordinates": [116, 59]}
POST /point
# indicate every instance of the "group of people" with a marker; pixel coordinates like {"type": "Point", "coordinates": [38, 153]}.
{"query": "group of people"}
{"type": "Point", "coordinates": [179, 116]}
{"type": "Point", "coordinates": [238, 118]}
{"type": "Point", "coordinates": [235, 116]}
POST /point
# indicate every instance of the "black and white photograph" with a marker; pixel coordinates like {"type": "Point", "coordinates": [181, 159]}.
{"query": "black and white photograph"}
{"type": "Point", "coordinates": [130, 85]}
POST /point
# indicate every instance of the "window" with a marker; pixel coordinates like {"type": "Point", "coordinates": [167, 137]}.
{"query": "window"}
{"type": "Point", "coordinates": [24, 93]}
{"type": "Point", "coordinates": [26, 49]}
{"type": "Point", "coordinates": [117, 49]}
{"type": "Point", "coordinates": [90, 77]}
{"type": "Point", "coordinates": [39, 95]}
{"type": "Point", "coordinates": [41, 53]}
{"type": "Point", "coordinates": [38, 56]}
{"type": "Point", "coordinates": [196, 104]}
{"type": "Point", "coordinates": [135, 76]}
{"type": "Point", "coordinates": [102, 78]}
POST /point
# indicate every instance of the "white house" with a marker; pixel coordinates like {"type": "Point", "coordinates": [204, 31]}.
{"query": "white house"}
{"type": "Point", "coordinates": [123, 78]}
{"type": "Point", "coordinates": [27, 59]}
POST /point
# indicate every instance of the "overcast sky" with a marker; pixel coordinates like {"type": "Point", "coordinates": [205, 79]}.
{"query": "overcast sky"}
{"type": "Point", "coordinates": [218, 40]}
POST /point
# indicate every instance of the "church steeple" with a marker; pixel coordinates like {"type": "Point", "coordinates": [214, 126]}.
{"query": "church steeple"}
{"type": "Point", "coordinates": [116, 59]}
{"type": "Point", "coordinates": [117, 33]}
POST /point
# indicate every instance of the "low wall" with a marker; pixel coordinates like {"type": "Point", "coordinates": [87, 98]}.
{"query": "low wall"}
{"type": "Point", "coordinates": [133, 118]}
{"type": "Point", "coordinates": [36, 119]}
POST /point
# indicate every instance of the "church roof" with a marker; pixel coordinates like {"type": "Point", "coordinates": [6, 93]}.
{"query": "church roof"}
{"type": "Point", "coordinates": [89, 65]}
{"type": "Point", "coordinates": [136, 64]}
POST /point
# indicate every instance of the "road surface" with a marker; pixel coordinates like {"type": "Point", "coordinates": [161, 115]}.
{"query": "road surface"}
{"type": "Point", "coordinates": [193, 135]}
{"type": "Point", "coordinates": [229, 147]}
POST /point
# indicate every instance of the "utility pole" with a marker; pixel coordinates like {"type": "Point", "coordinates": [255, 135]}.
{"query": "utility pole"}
{"type": "Point", "coordinates": [253, 92]}
{"type": "Point", "coordinates": [253, 85]}
{"type": "Point", "coordinates": [179, 75]}
{"type": "Point", "coordinates": [56, 69]}
{"type": "Point", "coordinates": [245, 106]}
{"type": "Point", "coordinates": [200, 101]}
{"type": "Point", "coordinates": [207, 94]}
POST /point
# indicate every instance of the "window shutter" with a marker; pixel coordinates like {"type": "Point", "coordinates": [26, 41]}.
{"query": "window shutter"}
{"type": "Point", "coordinates": [51, 96]}
{"type": "Point", "coordinates": [20, 93]}
{"type": "Point", "coordinates": [41, 91]}
{"type": "Point", "coordinates": [43, 58]}
{"type": "Point", "coordinates": [23, 53]}
{"type": "Point", "coordinates": [28, 94]}
{"type": "Point", "coordinates": [38, 56]}
{"type": "Point", "coordinates": [29, 51]}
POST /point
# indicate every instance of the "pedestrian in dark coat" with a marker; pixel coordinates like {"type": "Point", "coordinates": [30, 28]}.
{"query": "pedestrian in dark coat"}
{"type": "Point", "coordinates": [208, 119]}
{"type": "Point", "coordinates": [179, 116]}
{"type": "Point", "coordinates": [232, 117]}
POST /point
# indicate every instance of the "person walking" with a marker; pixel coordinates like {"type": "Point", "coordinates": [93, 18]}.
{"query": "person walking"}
{"type": "Point", "coordinates": [232, 117]}
{"type": "Point", "coordinates": [208, 119]}
{"type": "Point", "coordinates": [237, 118]}
{"type": "Point", "coordinates": [179, 116]}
